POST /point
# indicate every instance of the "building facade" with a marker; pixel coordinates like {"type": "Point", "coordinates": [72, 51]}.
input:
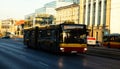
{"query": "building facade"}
{"type": "Point", "coordinates": [60, 3]}
{"type": "Point", "coordinates": [49, 8]}
{"type": "Point", "coordinates": [93, 13]}
{"type": "Point", "coordinates": [115, 16]}
{"type": "Point", "coordinates": [100, 16]}
{"type": "Point", "coordinates": [46, 14]}
{"type": "Point", "coordinates": [1, 28]}
{"type": "Point", "coordinates": [8, 27]}
{"type": "Point", "coordinates": [67, 13]}
{"type": "Point", "coordinates": [38, 19]}
{"type": "Point", "coordinates": [19, 28]}
{"type": "Point", "coordinates": [96, 15]}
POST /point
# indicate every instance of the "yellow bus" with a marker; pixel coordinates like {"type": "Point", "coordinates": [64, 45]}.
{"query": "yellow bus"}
{"type": "Point", "coordinates": [111, 41]}
{"type": "Point", "coordinates": [64, 38]}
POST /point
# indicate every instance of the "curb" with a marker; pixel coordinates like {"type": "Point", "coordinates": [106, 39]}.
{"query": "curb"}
{"type": "Point", "coordinates": [104, 52]}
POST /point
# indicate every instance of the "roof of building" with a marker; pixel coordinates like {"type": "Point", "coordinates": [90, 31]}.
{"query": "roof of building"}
{"type": "Point", "coordinates": [20, 22]}
{"type": "Point", "coordinates": [68, 6]}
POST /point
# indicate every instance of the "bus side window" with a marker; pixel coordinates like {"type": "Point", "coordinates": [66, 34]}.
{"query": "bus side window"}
{"type": "Point", "coordinates": [46, 34]}
{"type": "Point", "coordinates": [61, 37]}
{"type": "Point", "coordinates": [39, 34]}
{"type": "Point", "coordinates": [119, 39]}
{"type": "Point", "coordinates": [55, 34]}
{"type": "Point", "coordinates": [42, 34]}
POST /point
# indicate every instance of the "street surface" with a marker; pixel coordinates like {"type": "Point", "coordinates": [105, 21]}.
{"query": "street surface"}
{"type": "Point", "coordinates": [14, 55]}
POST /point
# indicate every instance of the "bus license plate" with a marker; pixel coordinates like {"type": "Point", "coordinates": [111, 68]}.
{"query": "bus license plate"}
{"type": "Point", "coordinates": [73, 51]}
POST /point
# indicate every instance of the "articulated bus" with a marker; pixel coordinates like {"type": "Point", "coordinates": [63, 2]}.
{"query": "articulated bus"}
{"type": "Point", "coordinates": [62, 38]}
{"type": "Point", "coordinates": [111, 41]}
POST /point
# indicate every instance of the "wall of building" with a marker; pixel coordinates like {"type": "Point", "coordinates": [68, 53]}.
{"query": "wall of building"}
{"type": "Point", "coordinates": [96, 15]}
{"type": "Point", "coordinates": [60, 3]}
{"type": "Point", "coordinates": [81, 12]}
{"type": "Point", "coordinates": [67, 13]}
{"type": "Point", "coordinates": [115, 16]}
{"type": "Point", "coordinates": [49, 8]}
{"type": "Point", "coordinates": [8, 26]}
{"type": "Point", "coordinates": [101, 16]}
{"type": "Point", "coordinates": [1, 29]}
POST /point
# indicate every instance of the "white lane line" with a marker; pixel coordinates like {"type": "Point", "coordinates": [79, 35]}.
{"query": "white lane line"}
{"type": "Point", "coordinates": [44, 64]}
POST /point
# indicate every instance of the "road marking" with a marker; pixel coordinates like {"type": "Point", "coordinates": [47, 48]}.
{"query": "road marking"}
{"type": "Point", "coordinates": [43, 63]}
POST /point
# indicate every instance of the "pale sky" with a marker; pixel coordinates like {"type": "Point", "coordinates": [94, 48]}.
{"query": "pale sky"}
{"type": "Point", "coordinates": [19, 8]}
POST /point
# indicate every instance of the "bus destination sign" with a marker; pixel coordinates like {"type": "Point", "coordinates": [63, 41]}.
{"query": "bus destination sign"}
{"type": "Point", "coordinates": [73, 27]}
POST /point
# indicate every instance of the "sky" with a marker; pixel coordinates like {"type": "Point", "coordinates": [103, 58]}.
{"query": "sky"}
{"type": "Point", "coordinates": [19, 8]}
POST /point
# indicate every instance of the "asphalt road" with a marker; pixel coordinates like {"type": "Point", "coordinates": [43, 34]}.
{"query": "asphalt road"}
{"type": "Point", "coordinates": [14, 55]}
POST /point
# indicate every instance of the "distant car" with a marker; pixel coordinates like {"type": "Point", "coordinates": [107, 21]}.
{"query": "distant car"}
{"type": "Point", "coordinates": [6, 37]}
{"type": "Point", "coordinates": [91, 41]}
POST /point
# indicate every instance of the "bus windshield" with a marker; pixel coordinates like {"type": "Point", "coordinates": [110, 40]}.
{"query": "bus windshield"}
{"type": "Point", "coordinates": [73, 36]}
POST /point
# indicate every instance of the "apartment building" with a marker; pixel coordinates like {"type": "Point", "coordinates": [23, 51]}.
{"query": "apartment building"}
{"type": "Point", "coordinates": [67, 13]}
{"type": "Point", "coordinates": [8, 26]}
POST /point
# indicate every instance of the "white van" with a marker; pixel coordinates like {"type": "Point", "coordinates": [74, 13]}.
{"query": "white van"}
{"type": "Point", "coordinates": [91, 41]}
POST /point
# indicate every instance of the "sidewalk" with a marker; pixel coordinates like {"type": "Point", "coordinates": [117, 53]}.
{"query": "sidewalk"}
{"type": "Point", "coordinates": [104, 52]}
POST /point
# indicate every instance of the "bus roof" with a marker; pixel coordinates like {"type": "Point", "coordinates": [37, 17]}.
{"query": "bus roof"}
{"type": "Point", "coordinates": [114, 34]}
{"type": "Point", "coordinates": [52, 26]}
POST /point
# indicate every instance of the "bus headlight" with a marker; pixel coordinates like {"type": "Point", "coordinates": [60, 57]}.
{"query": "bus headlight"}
{"type": "Point", "coordinates": [85, 49]}
{"type": "Point", "coordinates": [62, 49]}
